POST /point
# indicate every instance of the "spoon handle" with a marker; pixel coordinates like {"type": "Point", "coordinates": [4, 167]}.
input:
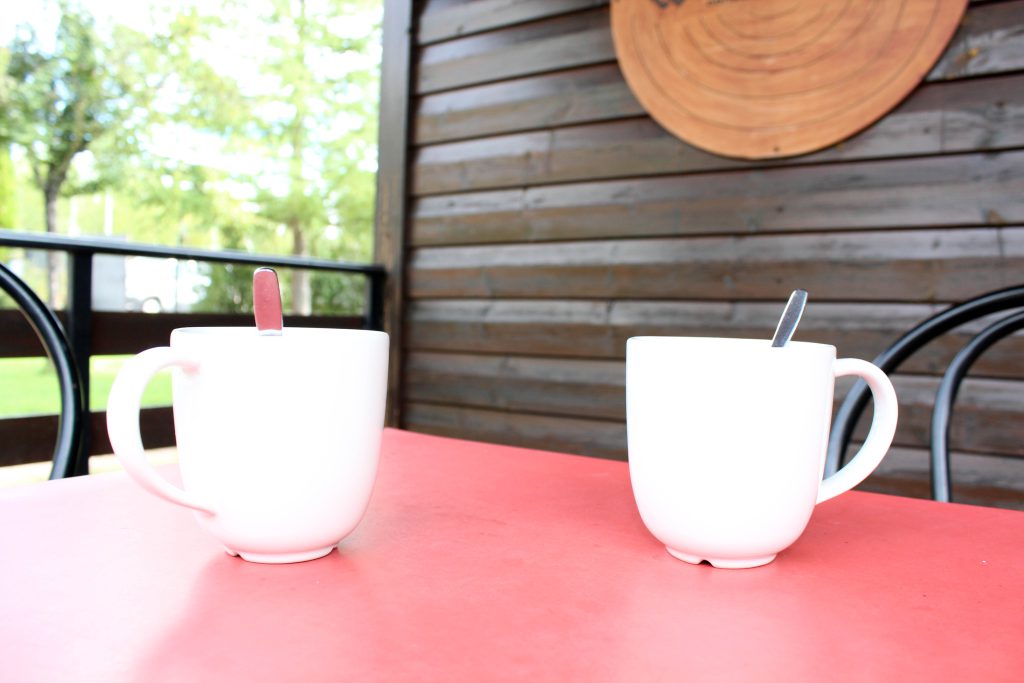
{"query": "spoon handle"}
{"type": "Point", "coordinates": [790, 318]}
{"type": "Point", "coordinates": [266, 302]}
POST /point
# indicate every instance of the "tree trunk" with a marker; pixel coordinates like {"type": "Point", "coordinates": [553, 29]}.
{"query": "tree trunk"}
{"type": "Point", "coordinates": [302, 297]}
{"type": "Point", "coordinates": [53, 298]}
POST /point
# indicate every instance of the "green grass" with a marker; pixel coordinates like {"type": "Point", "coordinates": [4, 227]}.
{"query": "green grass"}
{"type": "Point", "coordinates": [28, 386]}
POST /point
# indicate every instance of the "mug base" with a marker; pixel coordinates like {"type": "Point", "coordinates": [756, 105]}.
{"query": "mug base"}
{"type": "Point", "coordinates": [282, 558]}
{"type": "Point", "coordinates": [721, 563]}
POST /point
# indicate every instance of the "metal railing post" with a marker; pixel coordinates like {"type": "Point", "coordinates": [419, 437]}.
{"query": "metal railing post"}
{"type": "Point", "coordinates": [80, 335]}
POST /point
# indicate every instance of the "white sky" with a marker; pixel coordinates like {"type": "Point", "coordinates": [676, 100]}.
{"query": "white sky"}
{"type": "Point", "coordinates": [44, 14]}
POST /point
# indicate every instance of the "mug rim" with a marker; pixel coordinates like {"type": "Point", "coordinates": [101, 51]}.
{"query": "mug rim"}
{"type": "Point", "coordinates": [230, 330]}
{"type": "Point", "coordinates": [749, 342]}
{"type": "Point", "coordinates": [238, 337]}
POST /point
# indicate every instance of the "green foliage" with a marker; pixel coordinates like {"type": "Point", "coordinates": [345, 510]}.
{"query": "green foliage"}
{"type": "Point", "coordinates": [314, 122]}
{"type": "Point", "coordinates": [60, 101]}
{"type": "Point", "coordinates": [8, 196]}
{"type": "Point", "coordinates": [234, 125]}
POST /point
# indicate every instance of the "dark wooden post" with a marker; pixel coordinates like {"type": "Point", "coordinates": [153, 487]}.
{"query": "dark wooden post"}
{"type": "Point", "coordinates": [390, 223]}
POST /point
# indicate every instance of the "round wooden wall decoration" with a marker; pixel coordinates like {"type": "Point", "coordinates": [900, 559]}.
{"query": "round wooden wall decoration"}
{"type": "Point", "coordinates": [760, 79]}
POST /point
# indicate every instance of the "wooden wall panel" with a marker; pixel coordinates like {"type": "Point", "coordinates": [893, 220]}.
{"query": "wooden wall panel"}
{"type": "Point", "coordinates": [446, 20]}
{"type": "Point", "coordinates": [572, 40]}
{"type": "Point", "coordinates": [390, 215]}
{"type": "Point", "coordinates": [922, 265]}
{"type": "Point", "coordinates": [582, 95]}
{"type": "Point", "coordinates": [977, 479]}
{"type": "Point", "coordinates": [549, 219]}
{"type": "Point", "coordinates": [989, 40]}
{"type": "Point", "coordinates": [943, 191]}
{"type": "Point", "coordinates": [986, 419]}
{"type": "Point", "coordinates": [599, 330]}
{"type": "Point", "coordinates": [956, 116]}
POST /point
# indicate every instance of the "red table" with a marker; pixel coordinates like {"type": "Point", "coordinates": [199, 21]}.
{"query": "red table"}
{"type": "Point", "coordinates": [487, 563]}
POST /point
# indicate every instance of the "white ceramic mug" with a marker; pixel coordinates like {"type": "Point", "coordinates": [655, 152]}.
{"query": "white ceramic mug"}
{"type": "Point", "coordinates": [278, 436]}
{"type": "Point", "coordinates": [727, 441]}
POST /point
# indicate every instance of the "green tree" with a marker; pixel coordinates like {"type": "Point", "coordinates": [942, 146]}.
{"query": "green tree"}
{"type": "Point", "coordinates": [87, 93]}
{"type": "Point", "coordinates": [276, 101]}
{"type": "Point", "coordinates": [62, 101]}
{"type": "Point", "coordinates": [314, 121]}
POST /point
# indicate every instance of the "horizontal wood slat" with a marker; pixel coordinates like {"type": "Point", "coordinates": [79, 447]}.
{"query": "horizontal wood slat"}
{"type": "Point", "coordinates": [32, 439]}
{"type": "Point", "coordinates": [970, 189]}
{"type": "Point", "coordinates": [599, 330]}
{"type": "Point", "coordinates": [959, 116]}
{"type": "Point", "coordinates": [986, 416]}
{"type": "Point", "coordinates": [120, 333]}
{"type": "Point", "coordinates": [551, 386]}
{"type": "Point", "coordinates": [438, 22]}
{"type": "Point", "coordinates": [977, 479]}
{"type": "Point", "coordinates": [924, 266]}
{"type": "Point", "coordinates": [579, 95]}
{"type": "Point", "coordinates": [990, 40]}
{"type": "Point", "coordinates": [574, 40]}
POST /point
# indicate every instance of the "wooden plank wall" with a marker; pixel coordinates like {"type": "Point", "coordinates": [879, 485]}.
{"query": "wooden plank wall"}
{"type": "Point", "coordinates": [549, 219]}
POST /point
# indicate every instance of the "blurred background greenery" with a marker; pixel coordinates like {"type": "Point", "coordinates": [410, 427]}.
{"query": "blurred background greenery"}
{"type": "Point", "coordinates": [217, 124]}
{"type": "Point", "coordinates": [225, 125]}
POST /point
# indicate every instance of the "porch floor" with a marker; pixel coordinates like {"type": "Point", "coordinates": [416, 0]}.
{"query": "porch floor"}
{"type": "Point", "coordinates": [31, 473]}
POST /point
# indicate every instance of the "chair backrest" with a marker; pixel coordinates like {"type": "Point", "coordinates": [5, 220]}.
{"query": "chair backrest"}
{"type": "Point", "coordinates": [890, 359]}
{"type": "Point", "coordinates": [67, 453]}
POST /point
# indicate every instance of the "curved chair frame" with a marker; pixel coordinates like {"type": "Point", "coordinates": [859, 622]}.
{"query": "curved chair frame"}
{"type": "Point", "coordinates": [890, 359]}
{"type": "Point", "coordinates": [46, 325]}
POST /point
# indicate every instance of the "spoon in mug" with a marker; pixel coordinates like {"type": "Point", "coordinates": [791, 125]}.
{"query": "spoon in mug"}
{"type": "Point", "coordinates": [266, 302]}
{"type": "Point", "coordinates": [790, 318]}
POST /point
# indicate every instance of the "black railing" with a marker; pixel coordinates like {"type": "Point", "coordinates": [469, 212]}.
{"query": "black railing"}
{"type": "Point", "coordinates": [79, 316]}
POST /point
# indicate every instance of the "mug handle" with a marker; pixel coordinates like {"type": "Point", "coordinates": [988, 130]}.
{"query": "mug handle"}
{"type": "Point", "coordinates": [883, 428]}
{"type": "Point", "coordinates": [123, 421]}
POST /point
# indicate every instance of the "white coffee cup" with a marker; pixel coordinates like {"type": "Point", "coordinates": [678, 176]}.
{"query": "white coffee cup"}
{"type": "Point", "coordinates": [278, 436]}
{"type": "Point", "coordinates": [727, 441]}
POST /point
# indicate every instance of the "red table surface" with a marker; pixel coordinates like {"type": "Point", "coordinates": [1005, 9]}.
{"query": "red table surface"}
{"type": "Point", "coordinates": [487, 563]}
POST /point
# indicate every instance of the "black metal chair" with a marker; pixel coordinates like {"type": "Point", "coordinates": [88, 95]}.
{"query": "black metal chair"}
{"type": "Point", "coordinates": [67, 453]}
{"type": "Point", "coordinates": [890, 359]}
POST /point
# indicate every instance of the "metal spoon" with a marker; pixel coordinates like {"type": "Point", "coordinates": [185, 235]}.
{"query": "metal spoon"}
{"type": "Point", "coordinates": [266, 302]}
{"type": "Point", "coordinates": [790, 318]}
